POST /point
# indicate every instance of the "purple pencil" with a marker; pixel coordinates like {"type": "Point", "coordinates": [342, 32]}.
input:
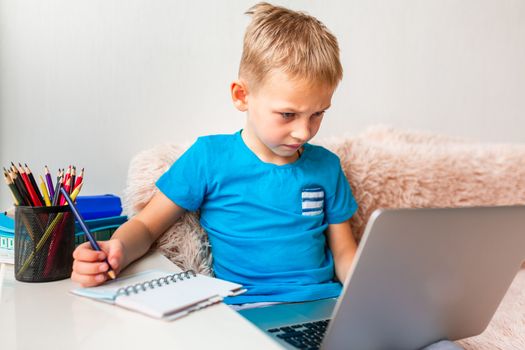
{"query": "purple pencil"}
{"type": "Point", "coordinates": [49, 183]}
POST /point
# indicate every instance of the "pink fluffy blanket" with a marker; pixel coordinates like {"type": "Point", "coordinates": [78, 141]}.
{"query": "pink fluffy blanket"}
{"type": "Point", "coordinates": [386, 168]}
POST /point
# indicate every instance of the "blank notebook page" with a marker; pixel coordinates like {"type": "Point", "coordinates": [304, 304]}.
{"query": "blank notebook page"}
{"type": "Point", "coordinates": [177, 296]}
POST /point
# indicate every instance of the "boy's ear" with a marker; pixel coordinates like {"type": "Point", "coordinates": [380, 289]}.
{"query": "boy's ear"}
{"type": "Point", "coordinates": [239, 94]}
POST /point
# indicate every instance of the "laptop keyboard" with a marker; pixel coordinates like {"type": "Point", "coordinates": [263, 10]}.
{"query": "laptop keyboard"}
{"type": "Point", "coordinates": [304, 335]}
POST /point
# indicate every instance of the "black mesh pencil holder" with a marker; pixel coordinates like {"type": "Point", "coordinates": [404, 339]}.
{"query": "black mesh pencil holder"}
{"type": "Point", "coordinates": [44, 243]}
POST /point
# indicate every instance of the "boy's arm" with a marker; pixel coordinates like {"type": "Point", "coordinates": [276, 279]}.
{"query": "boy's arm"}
{"type": "Point", "coordinates": [129, 242]}
{"type": "Point", "coordinates": [343, 246]}
{"type": "Point", "coordinates": [139, 233]}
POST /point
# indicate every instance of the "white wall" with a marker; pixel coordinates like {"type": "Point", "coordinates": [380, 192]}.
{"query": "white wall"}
{"type": "Point", "coordinates": [93, 82]}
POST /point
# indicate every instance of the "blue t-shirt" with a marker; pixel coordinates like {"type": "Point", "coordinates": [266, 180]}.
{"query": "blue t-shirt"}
{"type": "Point", "coordinates": [265, 222]}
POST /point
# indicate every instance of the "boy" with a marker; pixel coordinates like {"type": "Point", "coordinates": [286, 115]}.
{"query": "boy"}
{"type": "Point", "coordinates": [275, 207]}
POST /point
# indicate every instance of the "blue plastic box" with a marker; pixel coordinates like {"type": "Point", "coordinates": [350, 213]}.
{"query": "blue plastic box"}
{"type": "Point", "coordinates": [100, 206]}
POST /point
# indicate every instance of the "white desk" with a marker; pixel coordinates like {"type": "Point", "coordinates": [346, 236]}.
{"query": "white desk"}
{"type": "Point", "coordinates": [47, 316]}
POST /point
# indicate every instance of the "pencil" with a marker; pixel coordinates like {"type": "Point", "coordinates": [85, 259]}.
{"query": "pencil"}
{"type": "Point", "coordinates": [73, 175]}
{"type": "Point", "coordinates": [14, 191]}
{"type": "Point", "coordinates": [59, 174]}
{"type": "Point", "coordinates": [74, 195]}
{"type": "Point", "coordinates": [28, 187]}
{"type": "Point", "coordinates": [43, 188]}
{"type": "Point", "coordinates": [13, 167]}
{"type": "Point", "coordinates": [33, 183]}
{"type": "Point", "coordinates": [49, 181]}
{"type": "Point", "coordinates": [82, 224]}
{"type": "Point", "coordinates": [57, 193]}
{"type": "Point", "coordinates": [22, 201]}
{"type": "Point", "coordinates": [34, 198]}
{"type": "Point", "coordinates": [15, 175]}
{"type": "Point", "coordinates": [67, 187]}
{"type": "Point", "coordinates": [80, 178]}
{"type": "Point", "coordinates": [68, 174]}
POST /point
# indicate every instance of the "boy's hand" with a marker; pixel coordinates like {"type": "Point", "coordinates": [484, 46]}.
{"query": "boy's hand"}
{"type": "Point", "coordinates": [89, 268]}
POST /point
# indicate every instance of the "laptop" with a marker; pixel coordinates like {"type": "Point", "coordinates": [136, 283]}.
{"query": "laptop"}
{"type": "Point", "coordinates": [419, 276]}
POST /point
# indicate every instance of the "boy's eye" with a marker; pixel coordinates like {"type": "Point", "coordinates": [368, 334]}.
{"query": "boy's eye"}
{"type": "Point", "coordinates": [288, 115]}
{"type": "Point", "coordinates": [318, 114]}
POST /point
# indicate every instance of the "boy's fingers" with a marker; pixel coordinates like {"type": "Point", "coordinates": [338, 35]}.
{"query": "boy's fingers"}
{"type": "Point", "coordinates": [77, 249]}
{"type": "Point", "coordinates": [114, 264]}
{"type": "Point", "coordinates": [85, 245]}
{"type": "Point", "coordinates": [89, 268]}
{"type": "Point", "coordinates": [88, 280]}
{"type": "Point", "coordinates": [115, 253]}
{"type": "Point", "coordinates": [85, 253]}
{"type": "Point", "coordinates": [115, 256]}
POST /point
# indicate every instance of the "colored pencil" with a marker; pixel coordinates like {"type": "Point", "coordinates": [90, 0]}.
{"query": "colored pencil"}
{"type": "Point", "coordinates": [80, 178]}
{"type": "Point", "coordinates": [73, 176]}
{"type": "Point", "coordinates": [8, 180]}
{"type": "Point", "coordinates": [43, 188]}
{"type": "Point", "coordinates": [29, 188]}
{"type": "Point", "coordinates": [67, 187]}
{"type": "Point", "coordinates": [34, 184]}
{"type": "Point", "coordinates": [84, 227]}
{"type": "Point", "coordinates": [59, 174]}
{"type": "Point", "coordinates": [68, 174]}
{"type": "Point", "coordinates": [49, 181]}
{"type": "Point", "coordinates": [22, 201]}
{"type": "Point", "coordinates": [15, 175]}
{"type": "Point", "coordinates": [76, 191]}
{"type": "Point", "coordinates": [14, 191]}
{"type": "Point", "coordinates": [56, 197]}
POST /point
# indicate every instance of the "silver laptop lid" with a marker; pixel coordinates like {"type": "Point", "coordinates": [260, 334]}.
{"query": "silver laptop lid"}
{"type": "Point", "coordinates": [422, 275]}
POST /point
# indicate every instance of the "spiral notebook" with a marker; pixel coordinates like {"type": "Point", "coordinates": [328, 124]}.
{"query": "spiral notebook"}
{"type": "Point", "coordinates": [162, 294]}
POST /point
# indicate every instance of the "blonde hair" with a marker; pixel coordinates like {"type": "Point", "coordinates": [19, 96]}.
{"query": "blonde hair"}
{"type": "Point", "coordinates": [279, 39]}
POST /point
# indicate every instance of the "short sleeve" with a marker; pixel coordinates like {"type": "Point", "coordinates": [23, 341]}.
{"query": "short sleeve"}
{"type": "Point", "coordinates": [341, 204]}
{"type": "Point", "coordinates": [185, 182]}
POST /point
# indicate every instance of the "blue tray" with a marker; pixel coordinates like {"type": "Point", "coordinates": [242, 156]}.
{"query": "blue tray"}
{"type": "Point", "coordinates": [102, 229]}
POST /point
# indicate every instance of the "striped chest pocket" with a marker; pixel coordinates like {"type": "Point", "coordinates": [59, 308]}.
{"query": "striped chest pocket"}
{"type": "Point", "coordinates": [312, 201]}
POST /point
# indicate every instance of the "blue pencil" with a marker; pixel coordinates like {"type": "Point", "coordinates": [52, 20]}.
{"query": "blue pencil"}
{"type": "Point", "coordinates": [82, 224]}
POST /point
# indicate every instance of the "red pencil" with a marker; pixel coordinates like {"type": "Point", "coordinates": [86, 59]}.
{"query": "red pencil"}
{"type": "Point", "coordinates": [67, 187]}
{"type": "Point", "coordinates": [79, 179]}
{"type": "Point", "coordinates": [34, 198]}
{"type": "Point", "coordinates": [68, 174]}
{"type": "Point", "coordinates": [33, 183]}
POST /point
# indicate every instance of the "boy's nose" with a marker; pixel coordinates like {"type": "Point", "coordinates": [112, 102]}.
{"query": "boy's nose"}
{"type": "Point", "coordinates": [301, 133]}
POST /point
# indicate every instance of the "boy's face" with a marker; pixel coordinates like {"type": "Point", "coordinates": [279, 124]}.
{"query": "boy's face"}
{"type": "Point", "coordinates": [282, 115]}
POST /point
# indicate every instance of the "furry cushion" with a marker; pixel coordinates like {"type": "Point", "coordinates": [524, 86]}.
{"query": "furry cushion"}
{"type": "Point", "coordinates": [185, 243]}
{"type": "Point", "coordinates": [386, 168]}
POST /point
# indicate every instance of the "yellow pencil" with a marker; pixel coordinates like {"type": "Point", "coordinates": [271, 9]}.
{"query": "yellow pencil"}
{"type": "Point", "coordinates": [75, 192]}
{"type": "Point", "coordinates": [43, 188]}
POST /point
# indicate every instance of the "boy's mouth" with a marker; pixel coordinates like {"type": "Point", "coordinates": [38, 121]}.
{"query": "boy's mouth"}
{"type": "Point", "coordinates": [293, 147]}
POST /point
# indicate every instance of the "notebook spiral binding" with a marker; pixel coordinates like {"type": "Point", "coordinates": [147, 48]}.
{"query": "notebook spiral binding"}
{"type": "Point", "coordinates": [155, 283]}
